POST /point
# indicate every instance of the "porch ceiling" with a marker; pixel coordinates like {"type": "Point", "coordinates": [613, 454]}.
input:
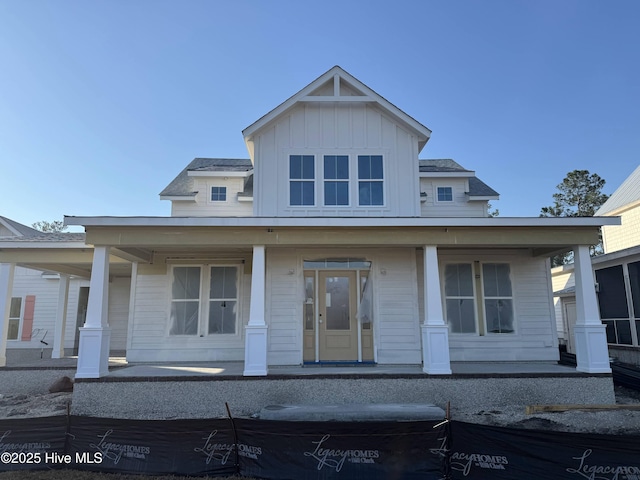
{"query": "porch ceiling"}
{"type": "Point", "coordinates": [541, 240]}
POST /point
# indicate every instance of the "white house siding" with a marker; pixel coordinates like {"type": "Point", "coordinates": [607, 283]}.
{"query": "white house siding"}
{"type": "Point", "coordinates": [204, 207]}
{"type": "Point", "coordinates": [459, 207]}
{"type": "Point", "coordinates": [333, 130]}
{"type": "Point", "coordinates": [396, 326]}
{"type": "Point", "coordinates": [150, 339]}
{"type": "Point", "coordinates": [623, 236]}
{"type": "Point", "coordinates": [284, 307]}
{"type": "Point", "coordinates": [5, 232]}
{"type": "Point", "coordinates": [396, 318]}
{"type": "Point", "coordinates": [561, 278]}
{"type": "Point", "coordinates": [535, 329]}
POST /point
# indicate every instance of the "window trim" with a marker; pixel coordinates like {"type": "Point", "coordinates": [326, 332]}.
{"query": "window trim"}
{"type": "Point", "coordinates": [336, 180]}
{"type": "Point", "coordinates": [312, 181]}
{"type": "Point", "coordinates": [18, 318]}
{"type": "Point", "coordinates": [437, 193]}
{"type": "Point", "coordinates": [203, 300]}
{"type": "Point", "coordinates": [359, 180]}
{"type": "Point", "coordinates": [226, 194]}
{"type": "Point", "coordinates": [480, 311]}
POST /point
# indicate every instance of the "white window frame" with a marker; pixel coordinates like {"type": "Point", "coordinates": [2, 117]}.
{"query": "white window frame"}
{"type": "Point", "coordinates": [226, 194]}
{"type": "Point", "coordinates": [382, 180]}
{"type": "Point", "coordinates": [336, 180]}
{"type": "Point", "coordinates": [437, 194]}
{"type": "Point", "coordinates": [303, 180]}
{"type": "Point", "coordinates": [17, 319]}
{"type": "Point", "coordinates": [204, 301]}
{"type": "Point", "coordinates": [443, 280]}
{"type": "Point", "coordinates": [485, 297]}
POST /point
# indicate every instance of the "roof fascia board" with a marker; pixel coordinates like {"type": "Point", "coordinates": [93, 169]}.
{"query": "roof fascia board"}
{"type": "Point", "coordinates": [558, 222]}
{"type": "Point", "coordinates": [473, 198]}
{"type": "Point", "coordinates": [621, 209]}
{"type": "Point", "coordinates": [42, 245]}
{"type": "Point", "coordinates": [183, 198]}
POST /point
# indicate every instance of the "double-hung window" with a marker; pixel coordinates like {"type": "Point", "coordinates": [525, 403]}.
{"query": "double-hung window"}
{"type": "Point", "coordinates": [301, 180]}
{"type": "Point", "coordinates": [498, 297]}
{"type": "Point", "coordinates": [460, 298]}
{"type": "Point", "coordinates": [336, 180]}
{"type": "Point", "coordinates": [465, 289]}
{"type": "Point", "coordinates": [15, 311]}
{"type": "Point", "coordinates": [370, 180]}
{"type": "Point", "coordinates": [204, 300]}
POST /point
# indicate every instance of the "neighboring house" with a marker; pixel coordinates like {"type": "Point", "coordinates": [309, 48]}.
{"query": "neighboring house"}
{"type": "Point", "coordinates": [617, 277]}
{"type": "Point", "coordinates": [331, 243]}
{"type": "Point", "coordinates": [44, 301]}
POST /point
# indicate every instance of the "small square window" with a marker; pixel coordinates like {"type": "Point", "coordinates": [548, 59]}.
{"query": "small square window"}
{"type": "Point", "coordinates": [218, 194]}
{"type": "Point", "coordinates": [445, 194]}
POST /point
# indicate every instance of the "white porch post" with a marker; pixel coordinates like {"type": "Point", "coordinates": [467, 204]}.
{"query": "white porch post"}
{"type": "Point", "coordinates": [6, 288]}
{"type": "Point", "coordinates": [435, 332]}
{"type": "Point", "coordinates": [592, 353]}
{"type": "Point", "coordinates": [255, 350]}
{"type": "Point", "coordinates": [95, 336]}
{"type": "Point", "coordinates": [61, 318]}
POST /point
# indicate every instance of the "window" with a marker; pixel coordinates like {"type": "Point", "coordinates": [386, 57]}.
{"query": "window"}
{"type": "Point", "coordinates": [498, 300]}
{"type": "Point", "coordinates": [370, 180]}
{"type": "Point", "coordinates": [219, 307]}
{"type": "Point", "coordinates": [15, 311]}
{"type": "Point", "coordinates": [612, 296]}
{"type": "Point", "coordinates": [185, 301]}
{"type": "Point", "coordinates": [461, 302]}
{"type": "Point", "coordinates": [336, 180]}
{"type": "Point", "coordinates": [445, 194]}
{"type": "Point", "coordinates": [223, 300]}
{"type": "Point", "coordinates": [459, 297]}
{"type": "Point", "coordinates": [301, 180]}
{"type": "Point", "coordinates": [218, 194]}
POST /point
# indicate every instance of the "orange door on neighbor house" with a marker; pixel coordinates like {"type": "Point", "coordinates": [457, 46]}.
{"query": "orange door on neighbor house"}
{"type": "Point", "coordinates": [337, 323]}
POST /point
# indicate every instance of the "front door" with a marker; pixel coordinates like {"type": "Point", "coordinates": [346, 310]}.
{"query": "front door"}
{"type": "Point", "coordinates": [337, 323]}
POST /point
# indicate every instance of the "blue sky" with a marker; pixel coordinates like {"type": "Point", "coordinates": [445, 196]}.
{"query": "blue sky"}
{"type": "Point", "coordinates": [102, 103]}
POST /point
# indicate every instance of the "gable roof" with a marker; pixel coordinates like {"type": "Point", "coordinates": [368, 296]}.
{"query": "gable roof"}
{"type": "Point", "coordinates": [341, 87]}
{"type": "Point", "coordinates": [626, 194]}
{"type": "Point", "coordinates": [18, 229]}
{"type": "Point", "coordinates": [182, 185]}
{"type": "Point", "coordinates": [477, 188]}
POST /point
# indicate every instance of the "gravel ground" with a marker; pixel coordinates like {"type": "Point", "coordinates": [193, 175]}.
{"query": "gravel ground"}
{"type": "Point", "coordinates": [612, 422]}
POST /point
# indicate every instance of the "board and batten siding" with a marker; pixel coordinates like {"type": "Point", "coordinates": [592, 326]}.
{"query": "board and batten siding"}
{"type": "Point", "coordinates": [150, 339]}
{"type": "Point", "coordinates": [337, 129]}
{"type": "Point", "coordinates": [535, 336]}
{"type": "Point", "coordinates": [204, 207]}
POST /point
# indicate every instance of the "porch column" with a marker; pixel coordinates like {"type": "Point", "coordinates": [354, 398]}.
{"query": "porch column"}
{"type": "Point", "coordinates": [592, 354]}
{"type": "Point", "coordinates": [255, 350]}
{"type": "Point", "coordinates": [6, 289]}
{"type": "Point", "coordinates": [61, 318]}
{"type": "Point", "coordinates": [435, 332]}
{"type": "Point", "coordinates": [95, 336]}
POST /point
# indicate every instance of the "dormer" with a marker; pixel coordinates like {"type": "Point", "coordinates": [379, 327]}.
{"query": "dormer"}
{"type": "Point", "coordinates": [336, 148]}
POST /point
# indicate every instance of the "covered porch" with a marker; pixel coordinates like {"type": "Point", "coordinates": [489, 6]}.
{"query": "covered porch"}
{"type": "Point", "coordinates": [147, 245]}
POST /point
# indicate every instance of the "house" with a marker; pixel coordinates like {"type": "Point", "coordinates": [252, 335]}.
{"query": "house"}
{"type": "Point", "coordinates": [332, 243]}
{"type": "Point", "coordinates": [47, 307]}
{"type": "Point", "coordinates": [617, 277]}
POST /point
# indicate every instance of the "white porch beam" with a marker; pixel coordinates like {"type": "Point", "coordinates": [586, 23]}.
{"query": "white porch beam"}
{"type": "Point", "coordinates": [592, 354]}
{"type": "Point", "coordinates": [255, 353]}
{"type": "Point", "coordinates": [61, 318]}
{"type": "Point", "coordinates": [435, 332]}
{"type": "Point", "coordinates": [6, 288]}
{"type": "Point", "coordinates": [95, 336]}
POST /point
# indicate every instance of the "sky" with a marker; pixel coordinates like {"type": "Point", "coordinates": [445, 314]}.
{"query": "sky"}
{"type": "Point", "coordinates": [103, 103]}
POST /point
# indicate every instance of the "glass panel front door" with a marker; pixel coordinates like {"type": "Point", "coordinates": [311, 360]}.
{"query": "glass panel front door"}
{"type": "Point", "coordinates": [338, 335]}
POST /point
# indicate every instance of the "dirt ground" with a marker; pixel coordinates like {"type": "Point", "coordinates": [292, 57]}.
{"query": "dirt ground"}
{"type": "Point", "coordinates": [614, 422]}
